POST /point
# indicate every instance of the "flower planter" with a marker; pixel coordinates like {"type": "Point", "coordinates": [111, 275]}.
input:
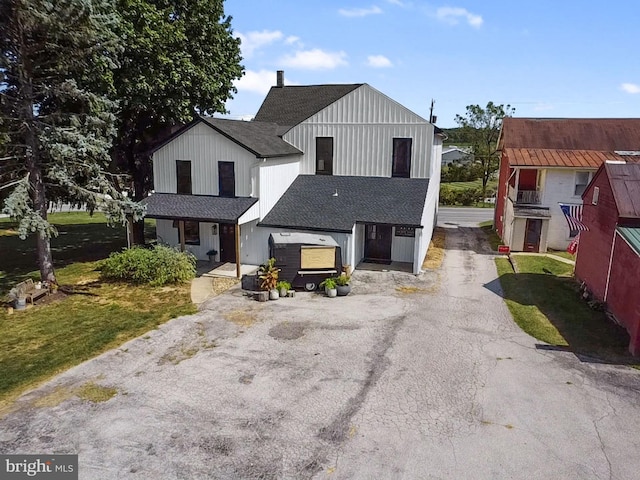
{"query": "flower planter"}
{"type": "Point", "coordinates": [273, 294]}
{"type": "Point", "coordinates": [343, 290]}
{"type": "Point", "coordinates": [331, 292]}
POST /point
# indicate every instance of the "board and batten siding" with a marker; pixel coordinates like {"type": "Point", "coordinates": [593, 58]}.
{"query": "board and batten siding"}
{"type": "Point", "coordinates": [204, 147]}
{"type": "Point", "coordinates": [363, 125]}
{"type": "Point", "coordinates": [275, 177]}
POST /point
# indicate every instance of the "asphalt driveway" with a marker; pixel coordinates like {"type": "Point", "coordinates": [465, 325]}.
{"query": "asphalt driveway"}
{"type": "Point", "coordinates": [406, 378]}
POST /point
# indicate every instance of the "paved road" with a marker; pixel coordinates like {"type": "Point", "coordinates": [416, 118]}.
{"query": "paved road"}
{"type": "Point", "coordinates": [432, 381]}
{"type": "Point", "coordinates": [463, 216]}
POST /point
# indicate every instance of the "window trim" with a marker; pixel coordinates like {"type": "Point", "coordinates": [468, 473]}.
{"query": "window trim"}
{"type": "Point", "coordinates": [576, 184]}
{"type": "Point", "coordinates": [195, 238]}
{"type": "Point", "coordinates": [183, 163]}
{"type": "Point", "coordinates": [397, 141]}
{"type": "Point", "coordinates": [324, 171]}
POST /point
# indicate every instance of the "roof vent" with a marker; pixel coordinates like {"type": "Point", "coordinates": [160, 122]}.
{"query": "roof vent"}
{"type": "Point", "coordinates": [280, 78]}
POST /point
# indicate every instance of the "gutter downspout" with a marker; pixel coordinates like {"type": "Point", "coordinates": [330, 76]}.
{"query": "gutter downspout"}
{"type": "Point", "coordinates": [613, 245]}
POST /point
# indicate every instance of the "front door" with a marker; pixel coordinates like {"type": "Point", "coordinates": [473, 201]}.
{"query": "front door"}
{"type": "Point", "coordinates": [532, 235]}
{"type": "Point", "coordinates": [227, 242]}
{"type": "Point", "coordinates": [377, 243]}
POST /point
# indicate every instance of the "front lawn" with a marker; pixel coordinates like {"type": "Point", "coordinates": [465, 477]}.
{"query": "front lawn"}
{"type": "Point", "coordinates": [544, 301]}
{"type": "Point", "coordinates": [67, 329]}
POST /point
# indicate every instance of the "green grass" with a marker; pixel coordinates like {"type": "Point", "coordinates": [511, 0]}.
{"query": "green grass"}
{"type": "Point", "coordinates": [49, 338]}
{"type": "Point", "coordinates": [563, 254]}
{"type": "Point", "coordinates": [544, 301]}
{"type": "Point", "coordinates": [492, 236]}
{"type": "Point", "coordinates": [458, 186]}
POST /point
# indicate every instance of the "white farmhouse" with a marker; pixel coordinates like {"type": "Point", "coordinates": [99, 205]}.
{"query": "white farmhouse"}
{"type": "Point", "coordinates": [344, 161]}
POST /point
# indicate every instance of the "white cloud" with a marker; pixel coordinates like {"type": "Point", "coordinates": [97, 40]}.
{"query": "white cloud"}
{"type": "Point", "coordinates": [630, 87]}
{"type": "Point", "coordinates": [360, 12]}
{"type": "Point", "coordinates": [255, 40]}
{"type": "Point", "coordinates": [292, 39]}
{"type": "Point", "coordinates": [399, 3]}
{"type": "Point", "coordinates": [453, 15]}
{"type": "Point", "coordinates": [257, 81]}
{"type": "Point", "coordinates": [315, 59]}
{"type": "Point", "coordinates": [378, 61]}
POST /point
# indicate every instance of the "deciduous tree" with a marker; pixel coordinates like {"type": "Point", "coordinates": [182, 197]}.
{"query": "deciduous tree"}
{"type": "Point", "coordinates": [481, 127]}
{"type": "Point", "coordinates": [180, 59]}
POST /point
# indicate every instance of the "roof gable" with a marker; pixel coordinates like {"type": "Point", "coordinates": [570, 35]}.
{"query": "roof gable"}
{"type": "Point", "coordinates": [603, 134]}
{"type": "Point", "coordinates": [259, 138]}
{"type": "Point", "coordinates": [290, 105]}
{"type": "Point", "coordinates": [625, 184]}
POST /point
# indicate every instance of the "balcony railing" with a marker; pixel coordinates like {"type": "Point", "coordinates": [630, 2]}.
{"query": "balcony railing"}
{"type": "Point", "coordinates": [527, 197]}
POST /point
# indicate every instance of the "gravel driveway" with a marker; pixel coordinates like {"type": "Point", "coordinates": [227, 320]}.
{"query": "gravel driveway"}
{"type": "Point", "coordinates": [408, 377]}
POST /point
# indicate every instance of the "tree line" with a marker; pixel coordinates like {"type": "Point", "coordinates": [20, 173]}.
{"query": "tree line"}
{"type": "Point", "coordinates": [88, 86]}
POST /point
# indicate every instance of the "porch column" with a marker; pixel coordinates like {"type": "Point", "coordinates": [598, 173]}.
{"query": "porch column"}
{"type": "Point", "coordinates": [237, 250]}
{"type": "Point", "coordinates": [181, 233]}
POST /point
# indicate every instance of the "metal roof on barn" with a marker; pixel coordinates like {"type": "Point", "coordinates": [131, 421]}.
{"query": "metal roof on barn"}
{"type": "Point", "coordinates": [632, 236]}
{"type": "Point", "coordinates": [625, 184]}
{"type": "Point", "coordinates": [336, 203]}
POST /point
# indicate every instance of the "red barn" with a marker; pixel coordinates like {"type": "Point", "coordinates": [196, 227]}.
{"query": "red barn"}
{"type": "Point", "coordinates": [608, 258]}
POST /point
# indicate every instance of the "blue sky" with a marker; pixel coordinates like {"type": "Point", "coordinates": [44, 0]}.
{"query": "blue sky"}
{"type": "Point", "coordinates": [561, 58]}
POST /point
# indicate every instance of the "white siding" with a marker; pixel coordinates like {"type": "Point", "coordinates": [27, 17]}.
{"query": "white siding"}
{"type": "Point", "coordinates": [204, 147]}
{"type": "Point", "coordinates": [168, 235]}
{"type": "Point", "coordinates": [402, 248]}
{"type": "Point", "coordinates": [254, 242]}
{"type": "Point", "coordinates": [558, 188]}
{"type": "Point", "coordinates": [423, 235]}
{"type": "Point", "coordinates": [363, 124]}
{"type": "Point", "coordinates": [275, 176]}
{"type": "Point", "coordinates": [358, 242]}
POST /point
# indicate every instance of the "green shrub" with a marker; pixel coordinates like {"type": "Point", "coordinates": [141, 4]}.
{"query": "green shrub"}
{"type": "Point", "coordinates": [157, 266]}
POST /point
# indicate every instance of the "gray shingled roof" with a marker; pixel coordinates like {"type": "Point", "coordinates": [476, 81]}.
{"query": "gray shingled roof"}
{"type": "Point", "coordinates": [290, 105]}
{"type": "Point", "coordinates": [196, 207]}
{"type": "Point", "coordinates": [260, 138]}
{"type": "Point", "coordinates": [310, 204]}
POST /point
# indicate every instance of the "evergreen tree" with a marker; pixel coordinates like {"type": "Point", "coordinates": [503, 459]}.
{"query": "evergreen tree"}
{"type": "Point", "coordinates": [56, 60]}
{"type": "Point", "coordinates": [180, 59]}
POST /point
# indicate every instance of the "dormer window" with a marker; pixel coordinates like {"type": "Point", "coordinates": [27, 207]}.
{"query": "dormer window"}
{"type": "Point", "coordinates": [401, 166]}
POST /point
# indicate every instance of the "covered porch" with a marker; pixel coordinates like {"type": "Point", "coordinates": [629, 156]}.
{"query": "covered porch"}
{"type": "Point", "coordinates": [207, 226]}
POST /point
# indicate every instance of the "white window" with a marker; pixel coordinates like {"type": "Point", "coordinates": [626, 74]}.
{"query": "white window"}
{"type": "Point", "coordinates": [582, 180]}
{"type": "Point", "coordinates": [596, 194]}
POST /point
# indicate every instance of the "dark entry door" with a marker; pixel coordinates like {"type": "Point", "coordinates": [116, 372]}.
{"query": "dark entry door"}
{"type": "Point", "coordinates": [532, 235]}
{"type": "Point", "coordinates": [377, 243]}
{"type": "Point", "coordinates": [227, 242]}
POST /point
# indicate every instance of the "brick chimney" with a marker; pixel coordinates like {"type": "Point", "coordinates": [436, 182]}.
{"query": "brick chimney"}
{"type": "Point", "coordinates": [280, 78]}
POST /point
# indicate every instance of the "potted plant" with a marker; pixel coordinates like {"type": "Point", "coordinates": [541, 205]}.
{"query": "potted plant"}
{"type": "Point", "coordinates": [343, 286]}
{"type": "Point", "coordinates": [268, 275]}
{"type": "Point", "coordinates": [212, 255]}
{"type": "Point", "coordinates": [329, 285]}
{"type": "Point", "coordinates": [283, 287]}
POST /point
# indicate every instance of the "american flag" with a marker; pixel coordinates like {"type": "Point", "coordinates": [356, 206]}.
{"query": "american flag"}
{"type": "Point", "coordinates": [573, 214]}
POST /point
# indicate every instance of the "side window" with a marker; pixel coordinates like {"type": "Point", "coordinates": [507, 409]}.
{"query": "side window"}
{"type": "Point", "coordinates": [582, 180]}
{"type": "Point", "coordinates": [191, 233]}
{"type": "Point", "coordinates": [226, 179]}
{"type": "Point", "coordinates": [324, 155]}
{"type": "Point", "coordinates": [183, 177]}
{"type": "Point", "coordinates": [401, 166]}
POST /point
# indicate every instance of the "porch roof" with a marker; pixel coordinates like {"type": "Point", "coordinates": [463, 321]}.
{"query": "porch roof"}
{"type": "Point", "coordinates": [336, 203]}
{"type": "Point", "coordinates": [548, 157]}
{"type": "Point", "coordinates": [203, 208]}
{"type": "Point", "coordinates": [531, 212]}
